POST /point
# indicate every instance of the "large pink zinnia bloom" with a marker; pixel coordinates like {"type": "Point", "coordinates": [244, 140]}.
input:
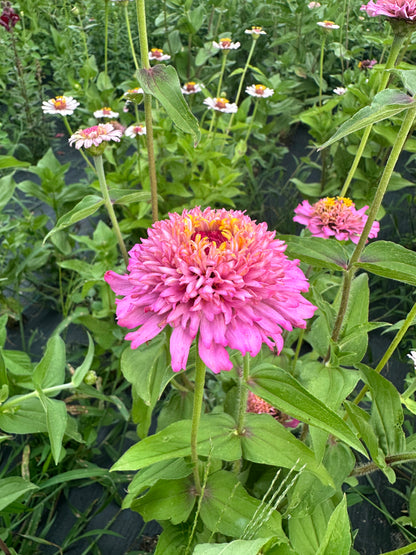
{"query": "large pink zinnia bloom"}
{"type": "Point", "coordinates": [398, 9]}
{"type": "Point", "coordinates": [216, 273]}
{"type": "Point", "coordinates": [334, 217]}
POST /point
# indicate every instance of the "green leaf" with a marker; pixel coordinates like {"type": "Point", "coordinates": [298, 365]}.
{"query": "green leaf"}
{"type": "Point", "coordinates": [104, 82]}
{"type": "Point", "coordinates": [318, 252]}
{"type": "Point", "coordinates": [3, 330]}
{"type": "Point", "coordinates": [80, 474]}
{"type": "Point", "coordinates": [266, 441]}
{"type": "Point", "coordinates": [337, 538]}
{"type": "Point", "coordinates": [82, 370]}
{"type": "Point", "coordinates": [12, 162]}
{"type": "Point", "coordinates": [237, 547]}
{"type": "Point", "coordinates": [56, 420]}
{"type": "Point", "coordinates": [50, 370]}
{"type": "Point", "coordinates": [389, 260]}
{"type": "Point", "coordinates": [12, 488]}
{"type": "Point", "coordinates": [167, 500]}
{"type": "Point", "coordinates": [26, 418]}
{"type": "Point", "coordinates": [228, 509]}
{"type": "Point", "coordinates": [126, 196]}
{"type": "Point", "coordinates": [386, 104]}
{"type": "Point", "coordinates": [7, 186]}
{"type": "Point", "coordinates": [163, 83]}
{"type": "Point", "coordinates": [387, 412]}
{"type": "Point", "coordinates": [216, 437]}
{"type": "Point", "coordinates": [86, 207]}
{"type": "Point", "coordinates": [284, 392]}
{"type": "Point", "coordinates": [408, 77]}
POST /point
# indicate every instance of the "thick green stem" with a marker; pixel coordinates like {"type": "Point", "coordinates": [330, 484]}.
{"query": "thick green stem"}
{"type": "Point", "coordinates": [106, 12]}
{"type": "Point", "coordinates": [200, 370]}
{"type": "Point", "coordinates": [224, 59]}
{"type": "Point", "coordinates": [133, 53]}
{"type": "Point", "coordinates": [144, 57]}
{"type": "Point", "coordinates": [98, 160]}
{"type": "Point", "coordinates": [243, 394]}
{"type": "Point", "coordinates": [392, 347]}
{"type": "Point", "coordinates": [396, 46]}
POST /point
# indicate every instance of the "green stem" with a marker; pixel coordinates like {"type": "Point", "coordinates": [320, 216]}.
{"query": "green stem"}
{"type": "Point", "coordinates": [144, 57]}
{"type": "Point", "coordinates": [133, 53]}
{"type": "Point", "coordinates": [18, 399]}
{"type": "Point", "coordinates": [253, 117]}
{"type": "Point", "coordinates": [374, 208]}
{"type": "Point", "coordinates": [68, 127]}
{"type": "Point", "coordinates": [98, 160]}
{"type": "Point", "coordinates": [411, 548]}
{"type": "Point", "coordinates": [240, 86]}
{"type": "Point", "coordinates": [200, 370]}
{"type": "Point", "coordinates": [321, 68]}
{"type": "Point", "coordinates": [224, 59]}
{"type": "Point", "coordinates": [243, 394]}
{"type": "Point", "coordinates": [106, 12]}
{"type": "Point", "coordinates": [391, 348]}
{"type": "Point", "coordinates": [396, 46]}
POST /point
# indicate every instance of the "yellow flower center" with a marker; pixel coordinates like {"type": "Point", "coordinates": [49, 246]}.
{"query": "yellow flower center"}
{"type": "Point", "coordinates": [221, 102]}
{"type": "Point", "coordinates": [331, 205]}
{"type": "Point", "coordinates": [260, 89]}
{"type": "Point", "coordinates": [59, 102]}
{"type": "Point", "coordinates": [329, 23]}
{"type": "Point", "coordinates": [225, 42]}
{"type": "Point", "coordinates": [257, 29]}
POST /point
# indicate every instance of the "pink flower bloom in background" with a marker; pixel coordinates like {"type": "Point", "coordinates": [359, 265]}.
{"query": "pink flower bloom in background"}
{"type": "Point", "coordinates": [158, 54]}
{"type": "Point", "coordinates": [334, 217]}
{"type": "Point", "coordinates": [255, 31]}
{"type": "Point", "coordinates": [340, 90]}
{"type": "Point", "coordinates": [215, 273]}
{"type": "Point", "coordinates": [226, 44]}
{"type": "Point", "coordinates": [313, 5]}
{"type": "Point", "coordinates": [134, 130]}
{"type": "Point", "coordinates": [260, 91]}
{"type": "Point", "coordinates": [259, 406]}
{"type": "Point", "coordinates": [221, 105]}
{"type": "Point", "coordinates": [367, 64]}
{"type": "Point", "coordinates": [105, 112]}
{"type": "Point", "coordinates": [63, 105]}
{"type": "Point", "coordinates": [328, 24]}
{"type": "Point", "coordinates": [8, 17]}
{"type": "Point", "coordinates": [192, 88]}
{"type": "Point", "coordinates": [94, 136]}
{"type": "Point", "coordinates": [398, 9]}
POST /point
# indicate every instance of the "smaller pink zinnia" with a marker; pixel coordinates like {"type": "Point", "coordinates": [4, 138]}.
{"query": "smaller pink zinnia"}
{"type": "Point", "coordinates": [328, 24]}
{"type": "Point", "coordinates": [397, 9]}
{"type": "Point", "coordinates": [221, 104]}
{"type": "Point", "coordinates": [158, 54]}
{"type": "Point", "coordinates": [192, 88]}
{"type": "Point", "coordinates": [105, 112]}
{"type": "Point", "coordinates": [94, 136]}
{"type": "Point", "coordinates": [134, 130]}
{"type": "Point", "coordinates": [259, 406]}
{"type": "Point", "coordinates": [226, 44]}
{"type": "Point", "coordinates": [366, 64]}
{"type": "Point", "coordinates": [314, 5]}
{"type": "Point", "coordinates": [334, 217]}
{"type": "Point", "coordinates": [255, 31]}
{"type": "Point", "coordinates": [260, 91]}
{"type": "Point", "coordinates": [63, 105]}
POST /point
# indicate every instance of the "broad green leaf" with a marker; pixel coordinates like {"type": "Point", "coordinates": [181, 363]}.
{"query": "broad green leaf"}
{"type": "Point", "coordinates": [389, 260]}
{"type": "Point", "coordinates": [85, 207]}
{"type": "Point", "coordinates": [284, 392]}
{"type": "Point", "coordinates": [163, 83]}
{"type": "Point", "coordinates": [228, 509]}
{"type": "Point", "coordinates": [318, 252]}
{"type": "Point", "coordinates": [216, 437]}
{"type": "Point", "coordinates": [12, 488]}
{"type": "Point", "coordinates": [25, 418]}
{"type": "Point", "coordinates": [408, 77]}
{"type": "Point", "coordinates": [385, 104]}
{"type": "Point", "coordinates": [337, 538]}
{"type": "Point", "coordinates": [387, 412]}
{"type": "Point", "coordinates": [7, 186]}
{"type": "Point", "coordinates": [104, 82]}
{"type": "Point", "coordinates": [82, 370]}
{"type": "Point", "coordinates": [167, 500]}
{"type": "Point", "coordinates": [237, 547]}
{"type": "Point", "coordinates": [266, 441]}
{"type": "Point", "coordinates": [56, 420]}
{"type": "Point", "coordinates": [50, 370]}
{"type": "Point", "coordinates": [12, 162]}
{"type": "Point", "coordinates": [174, 539]}
{"type": "Point", "coordinates": [127, 196]}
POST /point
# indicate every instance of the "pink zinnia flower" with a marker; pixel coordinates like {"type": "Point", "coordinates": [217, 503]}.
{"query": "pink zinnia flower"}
{"type": "Point", "coordinates": [398, 9]}
{"type": "Point", "coordinates": [367, 64]}
{"type": "Point", "coordinates": [94, 136]}
{"type": "Point", "coordinates": [221, 105]}
{"type": "Point", "coordinates": [255, 31]}
{"type": "Point", "coordinates": [226, 44]}
{"type": "Point", "coordinates": [328, 24]}
{"type": "Point", "coordinates": [334, 217]}
{"type": "Point", "coordinates": [259, 406]}
{"type": "Point", "coordinates": [134, 130]}
{"type": "Point", "coordinates": [260, 91]}
{"type": "Point", "coordinates": [63, 105]}
{"type": "Point", "coordinates": [105, 112]}
{"type": "Point", "coordinates": [212, 273]}
{"type": "Point", "coordinates": [158, 54]}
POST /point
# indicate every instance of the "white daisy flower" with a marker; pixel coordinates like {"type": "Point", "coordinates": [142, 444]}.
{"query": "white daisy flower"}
{"type": "Point", "coordinates": [340, 90]}
{"type": "Point", "coordinates": [134, 130]}
{"type": "Point", "coordinates": [221, 105]}
{"type": "Point", "coordinates": [105, 112]}
{"type": "Point", "coordinates": [63, 105]}
{"type": "Point", "coordinates": [192, 88]}
{"type": "Point", "coordinates": [260, 91]}
{"type": "Point", "coordinates": [158, 54]}
{"type": "Point", "coordinates": [255, 30]}
{"type": "Point", "coordinates": [226, 44]}
{"type": "Point", "coordinates": [328, 24]}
